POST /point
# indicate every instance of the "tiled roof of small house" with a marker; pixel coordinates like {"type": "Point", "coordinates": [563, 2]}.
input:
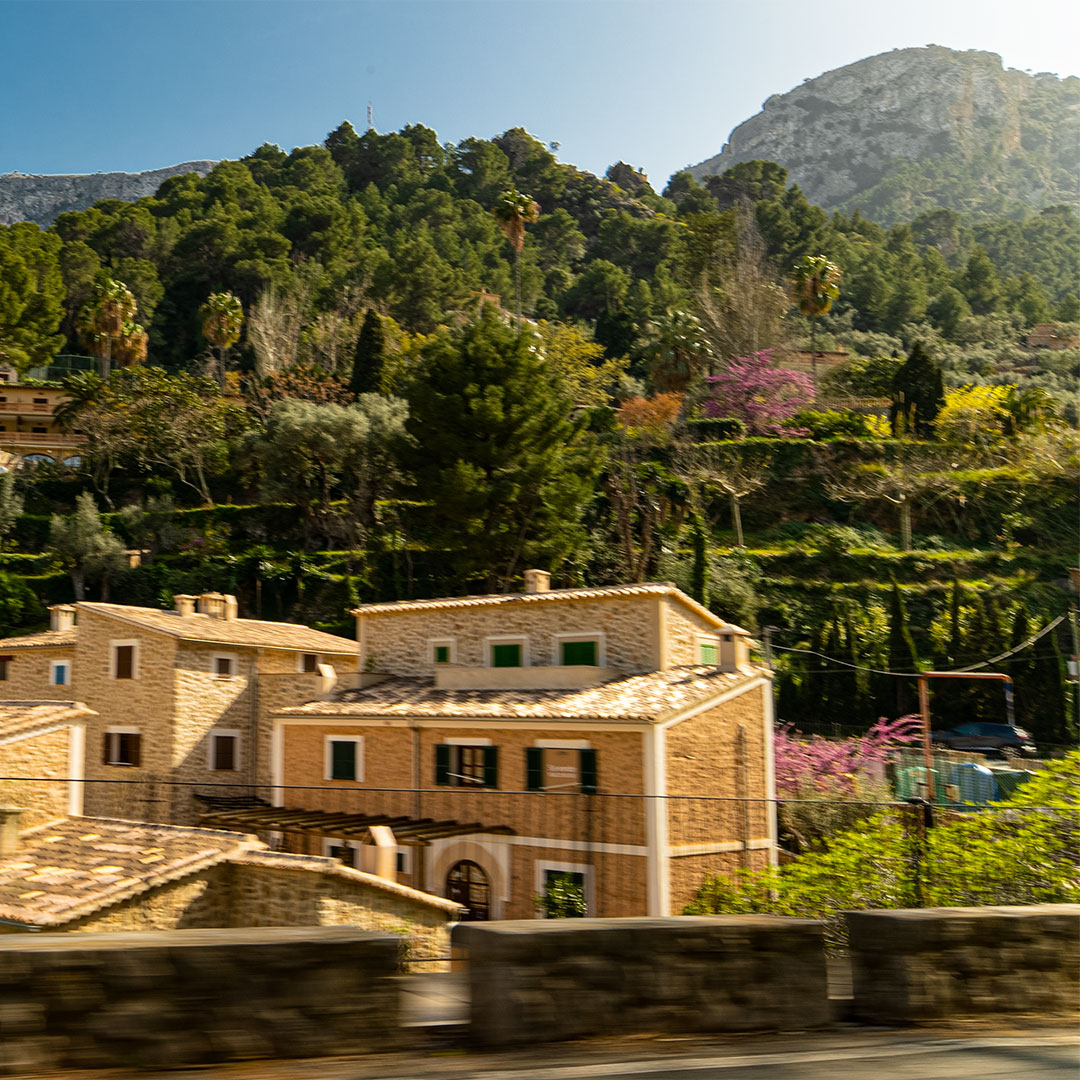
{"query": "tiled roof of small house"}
{"type": "Point", "coordinates": [649, 697]}
{"type": "Point", "coordinates": [47, 638]}
{"type": "Point", "coordinates": [19, 718]}
{"type": "Point", "coordinates": [604, 592]}
{"type": "Point", "coordinates": [75, 867]}
{"type": "Point", "coordinates": [203, 628]}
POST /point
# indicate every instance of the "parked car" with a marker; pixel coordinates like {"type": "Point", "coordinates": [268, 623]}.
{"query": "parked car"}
{"type": "Point", "coordinates": [1006, 739]}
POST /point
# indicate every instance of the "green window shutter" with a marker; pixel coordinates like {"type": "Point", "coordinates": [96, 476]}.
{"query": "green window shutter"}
{"type": "Point", "coordinates": [506, 656]}
{"type": "Point", "coordinates": [442, 654]}
{"type": "Point", "coordinates": [579, 653]}
{"type": "Point", "coordinates": [534, 768]}
{"type": "Point", "coordinates": [588, 771]}
{"type": "Point", "coordinates": [342, 760]}
{"type": "Point", "coordinates": [708, 653]}
{"type": "Point", "coordinates": [442, 765]}
{"type": "Point", "coordinates": [491, 766]}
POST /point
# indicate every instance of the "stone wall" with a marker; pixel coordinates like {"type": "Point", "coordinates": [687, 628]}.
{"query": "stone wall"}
{"type": "Point", "coordinates": [163, 1000]}
{"type": "Point", "coordinates": [939, 963]}
{"type": "Point", "coordinates": [533, 981]}
{"type": "Point", "coordinates": [29, 672]}
{"type": "Point", "coordinates": [38, 757]}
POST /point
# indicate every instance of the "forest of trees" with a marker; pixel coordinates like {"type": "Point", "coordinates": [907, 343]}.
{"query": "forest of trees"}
{"type": "Point", "coordinates": [389, 367]}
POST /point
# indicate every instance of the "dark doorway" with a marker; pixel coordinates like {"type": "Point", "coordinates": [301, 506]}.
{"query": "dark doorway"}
{"type": "Point", "coordinates": [468, 885]}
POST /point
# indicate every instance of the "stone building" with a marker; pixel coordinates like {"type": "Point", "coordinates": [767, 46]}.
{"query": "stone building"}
{"type": "Point", "coordinates": [616, 739]}
{"type": "Point", "coordinates": [95, 874]}
{"type": "Point", "coordinates": [178, 701]}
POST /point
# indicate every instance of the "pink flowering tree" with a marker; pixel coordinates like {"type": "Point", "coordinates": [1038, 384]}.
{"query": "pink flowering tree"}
{"type": "Point", "coordinates": [828, 785]}
{"type": "Point", "coordinates": [759, 394]}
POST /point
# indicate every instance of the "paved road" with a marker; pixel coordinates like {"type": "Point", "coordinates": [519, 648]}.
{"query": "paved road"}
{"type": "Point", "coordinates": [855, 1054]}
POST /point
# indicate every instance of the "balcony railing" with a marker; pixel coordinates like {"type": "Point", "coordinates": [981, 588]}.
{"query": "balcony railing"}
{"type": "Point", "coordinates": [40, 438]}
{"type": "Point", "coordinates": [27, 407]}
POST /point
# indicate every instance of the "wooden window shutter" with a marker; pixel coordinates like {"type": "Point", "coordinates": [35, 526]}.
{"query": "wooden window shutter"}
{"type": "Point", "coordinates": [135, 743]}
{"type": "Point", "coordinates": [588, 771]}
{"type": "Point", "coordinates": [442, 765]}
{"type": "Point", "coordinates": [124, 658]}
{"type": "Point", "coordinates": [491, 766]}
{"type": "Point", "coordinates": [534, 768]}
{"type": "Point", "coordinates": [106, 757]}
{"type": "Point", "coordinates": [342, 760]}
{"type": "Point", "coordinates": [576, 653]}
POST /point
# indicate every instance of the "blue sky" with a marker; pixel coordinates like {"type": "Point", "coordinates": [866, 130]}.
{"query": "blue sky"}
{"type": "Point", "coordinates": [99, 85]}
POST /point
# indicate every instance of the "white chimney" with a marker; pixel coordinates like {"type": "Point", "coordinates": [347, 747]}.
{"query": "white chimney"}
{"type": "Point", "coordinates": [185, 605]}
{"type": "Point", "coordinates": [61, 617]}
{"type": "Point", "coordinates": [231, 609]}
{"type": "Point", "coordinates": [537, 581]}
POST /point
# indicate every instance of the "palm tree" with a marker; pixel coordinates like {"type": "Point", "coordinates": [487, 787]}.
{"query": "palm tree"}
{"type": "Point", "coordinates": [814, 286]}
{"type": "Point", "coordinates": [677, 349]}
{"type": "Point", "coordinates": [222, 317]}
{"type": "Point", "coordinates": [513, 212]}
{"type": "Point", "coordinates": [108, 319]}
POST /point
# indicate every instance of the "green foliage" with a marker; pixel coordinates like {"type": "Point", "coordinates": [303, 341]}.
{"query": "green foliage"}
{"type": "Point", "coordinates": [369, 357]}
{"type": "Point", "coordinates": [1022, 851]}
{"type": "Point", "coordinates": [715, 428]}
{"type": "Point", "coordinates": [84, 546]}
{"type": "Point", "coordinates": [564, 898]}
{"type": "Point", "coordinates": [31, 296]}
{"type": "Point", "coordinates": [918, 394]}
{"type": "Point", "coordinates": [831, 423]}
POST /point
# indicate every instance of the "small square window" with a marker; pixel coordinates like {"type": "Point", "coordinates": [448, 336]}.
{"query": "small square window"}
{"type": "Point", "coordinates": [344, 758]}
{"type": "Point", "coordinates": [123, 748]}
{"type": "Point", "coordinates": [4, 662]}
{"type": "Point", "coordinates": [60, 673]}
{"type": "Point", "coordinates": [223, 667]}
{"type": "Point", "coordinates": [224, 757]}
{"type": "Point", "coordinates": [579, 653]}
{"type": "Point", "coordinates": [708, 652]}
{"type": "Point", "coordinates": [442, 654]}
{"type": "Point", "coordinates": [506, 655]}
{"type": "Point", "coordinates": [309, 663]}
{"type": "Point", "coordinates": [124, 661]}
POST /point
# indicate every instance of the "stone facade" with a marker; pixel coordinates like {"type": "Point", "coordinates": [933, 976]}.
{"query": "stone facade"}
{"type": "Point", "coordinates": [168, 999]}
{"type": "Point", "coordinates": [569, 978]}
{"type": "Point", "coordinates": [38, 766]}
{"type": "Point", "coordinates": [29, 672]}
{"type": "Point", "coordinates": [937, 964]}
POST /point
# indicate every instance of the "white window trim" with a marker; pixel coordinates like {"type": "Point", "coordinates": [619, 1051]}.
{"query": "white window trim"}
{"type": "Point", "coordinates": [328, 757]}
{"type": "Point", "coordinates": [118, 729]}
{"type": "Point", "coordinates": [403, 862]}
{"type": "Point", "coordinates": [300, 662]}
{"type": "Point", "coordinates": [447, 642]}
{"type": "Point", "coordinates": [336, 842]}
{"type": "Point", "coordinates": [237, 759]}
{"type": "Point", "coordinates": [591, 635]}
{"type": "Point", "coordinates": [706, 639]}
{"type": "Point", "coordinates": [53, 665]}
{"type": "Point", "coordinates": [563, 744]}
{"type": "Point", "coordinates": [543, 865]}
{"type": "Point", "coordinates": [467, 742]}
{"type": "Point", "coordinates": [114, 644]}
{"type": "Point", "coordinates": [506, 639]}
{"type": "Point", "coordinates": [233, 665]}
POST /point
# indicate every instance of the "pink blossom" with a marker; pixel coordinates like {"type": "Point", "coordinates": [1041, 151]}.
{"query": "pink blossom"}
{"type": "Point", "coordinates": [759, 394]}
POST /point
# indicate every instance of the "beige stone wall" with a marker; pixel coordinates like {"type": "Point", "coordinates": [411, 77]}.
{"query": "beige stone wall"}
{"type": "Point", "coordinates": [687, 873]}
{"type": "Point", "coordinates": [239, 894]}
{"type": "Point", "coordinates": [145, 702]}
{"type": "Point", "coordinates": [29, 671]}
{"type": "Point", "coordinates": [683, 628]}
{"type": "Point", "coordinates": [399, 642]}
{"type": "Point", "coordinates": [37, 758]}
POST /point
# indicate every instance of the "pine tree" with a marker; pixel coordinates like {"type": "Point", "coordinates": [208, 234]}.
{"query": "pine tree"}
{"type": "Point", "coordinates": [918, 394]}
{"type": "Point", "coordinates": [368, 359]}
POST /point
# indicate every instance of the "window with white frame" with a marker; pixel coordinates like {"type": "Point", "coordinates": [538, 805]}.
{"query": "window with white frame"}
{"type": "Point", "coordinates": [124, 659]}
{"type": "Point", "coordinates": [60, 672]}
{"type": "Point", "coordinates": [564, 889]}
{"type": "Point", "coordinates": [442, 651]}
{"type": "Point", "coordinates": [507, 651]}
{"type": "Point", "coordinates": [579, 650]}
{"type": "Point", "coordinates": [708, 650]}
{"type": "Point", "coordinates": [224, 750]}
{"type": "Point", "coordinates": [5, 668]}
{"type": "Point", "coordinates": [308, 663]}
{"type": "Point", "coordinates": [348, 851]}
{"type": "Point", "coordinates": [122, 746]}
{"type": "Point", "coordinates": [223, 665]}
{"type": "Point", "coordinates": [404, 860]}
{"type": "Point", "coordinates": [344, 757]}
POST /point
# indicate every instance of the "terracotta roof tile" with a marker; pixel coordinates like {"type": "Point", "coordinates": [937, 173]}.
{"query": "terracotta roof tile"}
{"type": "Point", "coordinates": [24, 717]}
{"type": "Point", "coordinates": [47, 638]}
{"type": "Point", "coordinates": [653, 588]}
{"type": "Point", "coordinates": [203, 628]}
{"type": "Point", "coordinates": [75, 867]}
{"type": "Point", "coordinates": [630, 698]}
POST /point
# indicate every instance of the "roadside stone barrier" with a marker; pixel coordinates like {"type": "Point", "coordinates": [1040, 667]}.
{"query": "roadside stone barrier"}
{"type": "Point", "coordinates": [935, 964]}
{"type": "Point", "coordinates": [163, 999]}
{"type": "Point", "coordinates": [532, 980]}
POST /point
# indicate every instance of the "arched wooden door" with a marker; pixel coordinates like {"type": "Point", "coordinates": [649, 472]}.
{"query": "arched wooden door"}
{"type": "Point", "coordinates": [468, 885]}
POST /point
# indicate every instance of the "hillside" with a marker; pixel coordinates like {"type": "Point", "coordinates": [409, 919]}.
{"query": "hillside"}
{"type": "Point", "coordinates": [41, 199]}
{"type": "Point", "coordinates": [916, 129]}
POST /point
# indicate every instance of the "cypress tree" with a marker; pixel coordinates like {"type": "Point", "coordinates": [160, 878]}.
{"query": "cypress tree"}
{"type": "Point", "coordinates": [367, 372]}
{"type": "Point", "coordinates": [699, 572]}
{"type": "Point", "coordinates": [918, 394]}
{"type": "Point", "coordinates": [902, 654]}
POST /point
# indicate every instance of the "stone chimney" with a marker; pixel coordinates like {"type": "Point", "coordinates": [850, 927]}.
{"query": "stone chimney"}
{"type": "Point", "coordinates": [537, 581]}
{"type": "Point", "coordinates": [185, 605]}
{"type": "Point", "coordinates": [61, 617]}
{"type": "Point", "coordinates": [9, 830]}
{"type": "Point", "coordinates": [212, 604]}
{"type": "Point", "coordinates": [231, 608]}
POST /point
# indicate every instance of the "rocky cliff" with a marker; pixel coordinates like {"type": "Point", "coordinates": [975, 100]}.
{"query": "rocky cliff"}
{"type": "Point", "coordinates": [26, 197]}
{"type": "Point", "coordinates": [915, 129]}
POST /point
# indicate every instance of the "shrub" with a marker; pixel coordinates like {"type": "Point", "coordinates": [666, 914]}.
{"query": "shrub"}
{"type": "Point", "coordinates": [716, 428]}
{"type": "Point", "coordinates": [831, 423]}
